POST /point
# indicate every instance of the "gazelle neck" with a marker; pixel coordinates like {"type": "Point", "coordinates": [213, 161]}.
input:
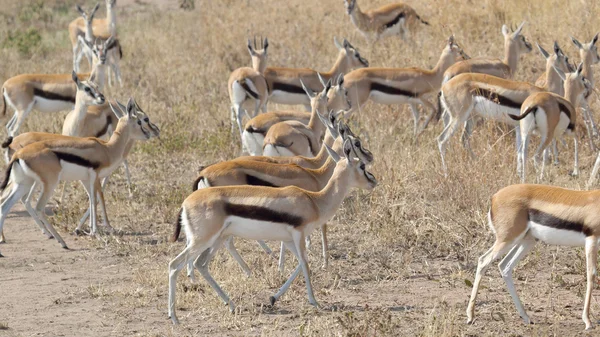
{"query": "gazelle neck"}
{"type": "Point", "coordinates": [553, 81]}
{"type": "Point", "coordinates": [324, 173]}
{"type": "Point", "coordinates": [359, 19]}
{"type": "Point", "coordinates": [511, 55]}
{"type": "Point", "coordinates": [572, 95]}
{"type": "Point", "coordinates": [586, 57]}
{"type": "Point", "coordinates": [321, 157]}
{"type": "Point", "coordinates": [339, 67]}
{"type": "Point", "coordinates": [111, 16]}
{"type": "Point", "coordinates": [446, 60]}
{"type": "Point", "coordinates": [119, 142]}
{"type": "Point", "coordinates": [98, 74]}
{"type": "Point", "coordinates": [314, 123]}
{"type": "Point", "coordinates": [259, 64]}
{"type": "Point", "coordinates": [329, 199]}
{"type": "Point", "coordinates": [75, 120]}
{"type": "Point", "coordinates": [89, 32]}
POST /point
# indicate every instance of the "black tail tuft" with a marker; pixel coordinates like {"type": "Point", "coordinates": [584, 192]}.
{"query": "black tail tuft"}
{"type": "Point", "coordinates": [120, 50]}
{"type": "Point", "coordinates": [196, 182]}
{"type": "Point", "coordinates": [6, 175]}
{"type": "Point", "coordinates": [423, 21]}
{"type": "Point", "coordinates": [523, 115]}
{"type": "Point", "coordinates": [3, 104]}
{"type": "Point", "coordinates": [247, 89]}
{"type": "Point", "coordinates": [7, 142]}
{"type": "Point", "coordinates": [438, 113]}
{"type": "Point", "coordinates": [177, 230]}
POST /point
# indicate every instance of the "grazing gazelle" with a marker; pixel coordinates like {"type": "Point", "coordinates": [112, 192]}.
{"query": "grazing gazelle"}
{"type": "Point", "coordinates": [521, 214]}
{"type": "Point", "coordinates": [393, 19]}
{"type": "Point", "coordinates": [210, 216]}
{"type": "Point", "coordinates": [49, 93]}
{"type": "Point", "coordinates": [515, 44]}
{"type": "Point", "coordinates": [259, 173]}
{"type": "Point", "coordinates": [284, 83]}
{"type": "Point", "coordinates": [397, 85]}
{"type": "Point", "coordinates": [294, 138]}
{"type": "Point", "coordinates": [551, 116]}
{"type": "Point", "coordinates": [60, 157]}
{"type": "Point", "coordinates": [248, 85]}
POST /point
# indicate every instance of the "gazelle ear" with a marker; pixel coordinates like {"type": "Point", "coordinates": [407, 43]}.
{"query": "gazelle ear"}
{"type": "Point", "coordinates": [250, 49]}
{"type": "Point", "coordinates": [75, 78]}
{"type": "Point", "coordinates": [109, 41]}
{"type": "Point", "coordinates": [576, 43]}
{"type": "Point", "coordinates": [560, 73]}
{"type": "Point", "coordinates": [265, 44]}
{"type": "Point", "coordinates": [116, 109]}
{"type": "Point", "coordinates": [336, 158]}
{"type": "Point", "coordinates": [595, 39]}
{"type": "Point", "coordinates": [340, 79]}
{"type": "Point", "coordinates": [518, 31]}
{"type": "Point", "coordinates": [505, 30]}
{"type": "Point", "coordinates": [543, 51]}
{"type": "Point", "coordinates": [579, 69]}
{"type": "Point", "coordinates": [557, 49]}
{"type": "Point", "coordinates": [80, 10]}
{"type": "Point", "coordinates": [121, 106]}
{"type": "Point", "coordinates": [137, 106]}
{"type": "Point", "coordinates": [308, 91]}
{"type": "Point", "coordinates": [337, 44]}
{"type": "Point", "coordinates": [321, 79]}
{"type": "Point", "coordinates": [451, 40]}
{"type": "Point", "coordinates": [323, 119]}
{"type": "Point", "coordinates": [94, 11]}
{"type": "Point", "coordinates": [130, 107]}
{"type": "Point", "coordinates": [348, 150]}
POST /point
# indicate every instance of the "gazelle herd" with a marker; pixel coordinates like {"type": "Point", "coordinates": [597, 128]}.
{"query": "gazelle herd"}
{"type": "Point", "coordinates": [300, 165]}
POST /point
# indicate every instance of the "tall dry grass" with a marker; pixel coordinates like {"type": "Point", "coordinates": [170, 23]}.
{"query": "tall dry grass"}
{"type": "Point", "coordinates": [402, 256]}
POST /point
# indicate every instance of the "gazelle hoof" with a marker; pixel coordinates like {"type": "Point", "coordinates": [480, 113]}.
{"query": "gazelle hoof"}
{"type": "Point", "coordinates": [272, 299]}
{"type": "Point", "coordinates": [1, 255]}
{"type": "Point", "coordinates": [78, 232]}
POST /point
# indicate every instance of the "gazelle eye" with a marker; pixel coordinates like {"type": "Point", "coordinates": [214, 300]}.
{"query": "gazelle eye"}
{"type": "Point", "coordinates": [146, 120]}
{"type": "Point", "coordinates": [362, 167]}
{"type": "Point", "coordinates": [139, 122]}
{"type": "Point", "coordinates": [357, 144]}
{"type": "Point", "coordinates": [87, 89]}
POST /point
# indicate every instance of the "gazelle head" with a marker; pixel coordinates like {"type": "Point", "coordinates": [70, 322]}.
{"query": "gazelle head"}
{"type": "Point", "coordinates": [87, 92]}
{"type": "Point", "coordinates": [346, 133]}
{"type": "Point", "coordinates": [338, 96]}
{"type": "Point", "coordinates": [146, 124]}
{"type": "Point", "coordinates": [588, 51]}
{"type": "Point", "coordinates": [514, 39]}
{"type": "Point", "coordinates": [576, 85]}
{"type": "Point", "coordinates": [350, 5]}
{"type": "Point", "coordinates": [353, 58]}
{"type": "Point", "coordinates": [353, 167]}
{"type": "Point", "coordinates": [258, 53]}
{"type": "Point", "coordinates": [88, 17]}
{"type": "Point", "coordinates": [453, 52]}
{"type": "Point", "coordinates": [558, 59]}
{"type": "Point", "coordinates": [130, 117]}
{"type": "Point", "coordinates": [318, 100]}
{"type": "Point", "coordinates": [99, 49]}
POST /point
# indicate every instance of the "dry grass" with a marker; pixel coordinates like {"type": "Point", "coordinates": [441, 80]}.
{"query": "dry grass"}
{"type": "Point", "coordinates": [403, 255]}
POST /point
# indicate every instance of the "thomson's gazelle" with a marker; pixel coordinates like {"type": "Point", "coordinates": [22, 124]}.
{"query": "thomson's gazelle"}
{"type": "Point", "coordinates": [209, 216]}
{"type": "Point", "coordinates": [521, 214]}
{"type": "Point", "coordinates": [396, 85]}
{"type": "Point", "coordinates": [294, 138]}
{"type": "Point", "coordinates": [284, 83]}
{"type": "Point", "coordinates": [589, 56]}
{"type": "Point", "coordinates": [248, 85]}
{"type": "Point", "coordinates": [393, 19]}
{"type": "Point", "coordinates": [551, 116]}
{"type": "Point", "coordinates": [515, 44]}
{"type": "Point", "coordinates": [88, 37]}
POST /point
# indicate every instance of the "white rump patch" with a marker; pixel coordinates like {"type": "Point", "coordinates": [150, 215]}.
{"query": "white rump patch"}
{"type": "Point", "coordinates": [253, 142]}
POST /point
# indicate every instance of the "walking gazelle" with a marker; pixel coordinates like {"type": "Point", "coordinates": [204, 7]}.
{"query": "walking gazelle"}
{"type": "Point", "coordinates": [522, 214]}
{"type": "Point", "coordinates": [210, 216]}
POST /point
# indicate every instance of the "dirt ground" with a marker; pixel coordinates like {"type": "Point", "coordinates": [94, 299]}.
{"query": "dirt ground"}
{"type": "Point", "coordinates": [402, 257]}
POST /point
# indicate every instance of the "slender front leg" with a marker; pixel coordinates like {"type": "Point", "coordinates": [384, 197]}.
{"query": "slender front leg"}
{"type": "Point", "coordinates": [591, 255]}
{"type": "Point", "coordinates": [202, 263]}
{"type": "Point", "coordinates": [264, 246]}
{"type": "Point", "coordinates": [128, 176]}
{"type": "Point", "coordinates": [416, 116]}
{"type": "Point", "coordinates": [231, 249]}
{"type": "Point", "coordinates": [282, 258]}
{"type": "Point", "coordinates": [325, 246]}
{"type": "Point", "coordinates": [576, 159]}
{"type": "Point", "coordinates": [300, 252]}
{"type": "Point", "coordinates": [594, 172]}
{"type": "Point", "coordinates": [92, 205]}
{"type": "Point", "coordinates": [100, 194]}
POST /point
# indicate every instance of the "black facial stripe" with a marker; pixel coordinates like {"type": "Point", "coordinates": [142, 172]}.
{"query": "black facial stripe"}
{"type": "Point", "coordinates": [52, 96]}
{"type": "Point", "coordinates": [498, 99]}
{"type": "Point", "coordinates": [289, 88]}
{"type": "Point", "coordinates": [391, 90]}
{"type": "Point", "coordinates": [549, 220]}
{"type": "Point", "coordinates": [255, 181]}
{"type": "Point", "coordinates": [262, 214]}
{"type": "Point", "coordinates": [75, 159]}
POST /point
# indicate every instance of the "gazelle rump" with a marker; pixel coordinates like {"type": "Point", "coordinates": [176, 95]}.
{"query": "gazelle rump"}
{"type": "Point", "coordinates": [551, 116]}
{"type": "Point", "coordinates": [284, 83]}
{"type": "Point", "coordinates": [393, 19]}
{"type": "Point", "coordinates": [294, 138]}
{"type": "Point", "coordinates": [248, 85]}
{"type": "Point", "coordinates": [209, 216]}
{"type": "Point", "coordinates": [396, 85]}
{"type": "Point", "coordinates": [515, 44]}
{"type": "Point", "coordinates": [520, 215]}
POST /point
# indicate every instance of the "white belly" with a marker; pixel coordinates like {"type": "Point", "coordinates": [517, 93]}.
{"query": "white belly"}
{"type": "Point", "coordinates": [553, 236]}
{"type": "Point", "coordinates": [497, 112]}
{"type": "Point", "coordinates": [284, 97]}
{"type": "Point", "coordinates": [393, 30]}
{"type": "Point", "coordinates": [257, 230]}
{"type": "Point", "coordinates": [73, 172]}
{"type": "Point", "coordinates": [46, 105]}
{"type": "Point", "coordinates": [383, 98]}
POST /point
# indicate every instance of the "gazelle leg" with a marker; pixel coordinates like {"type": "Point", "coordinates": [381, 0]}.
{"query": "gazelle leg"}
{"type": "Point", "coordinates": [576, 154]}
{"type": "Point", "coordinates": [64, 191]}
{"type": "Point", "coordinates": [281, 264]}
{"type": "Point", "coordinates": [100, 195]}
{"type": "Point", "coordinates": [47, 190]}
{"type": "Point", "coordinates": [429, 106]}
{"type": "Point", "coordinates": [17, 192]}
{"type": "Point", "coordinates": [21, 115]}
{"type": "Point", "coordinates": [449, 130]}
{"type": "Point", "coordinates": [299, 249]}
{"type": "Point", "coordinates": [231, 249]}
{"type": "Point", "coordinates": [33, 214]}
{"type": "Point", "coordinates": [555, 151]}
{"type": "Point", "coordinates": [466, 137]}
{"type": "Point", "coordinates": [591, 255]}
{"type": "Point", "coordinates": [11, 122]}
{"type": "Point", "coordinates": [127, 175]}
{"type": "Point", "coordinates": [507, 265]}
{"type": "Point", "coordinates": [264, 246]}
{"type": "Point", "coordinates": [415, 113]}
{"type": "Point", "coordinates": [325, 246]}
{"type": "Point", "coordinates": [482, 266]}
{"type": "Point", "coordinates": [289, 281]}
{"type": "Point", "coordinates": [594, 171]}
{"type": "Point", "coordinates": [202, 263]}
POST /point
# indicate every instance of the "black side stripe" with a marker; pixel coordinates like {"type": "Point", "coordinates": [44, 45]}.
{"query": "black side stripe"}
{"type": "Point", "coordinates": [290, 88]}
{"type": "Point", "coordinates": [75, 159]}
{"type": "Point", "coordinates": [105, 128]}
{"type": "Point", "coordinates": [395, 21]}
{"type": "Point", "coordinates": [248, 90]}
{"type": "Point", "coordinates": [52, 96]}
{"type": "Point", "coordinates": [498, 99]}
{"type": "Point", "coordinates": [391, 90]}
{"type": "Point", "coordinates": [255, 181]}
{"type": "Point", "coordinates": [567, 111]}
{"type": "Point", "coordinates": [251, 129]}
{"type": "Point", "coordinates": [262, 214]}
{"type": "Point", "coordinates": [549, 220]}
